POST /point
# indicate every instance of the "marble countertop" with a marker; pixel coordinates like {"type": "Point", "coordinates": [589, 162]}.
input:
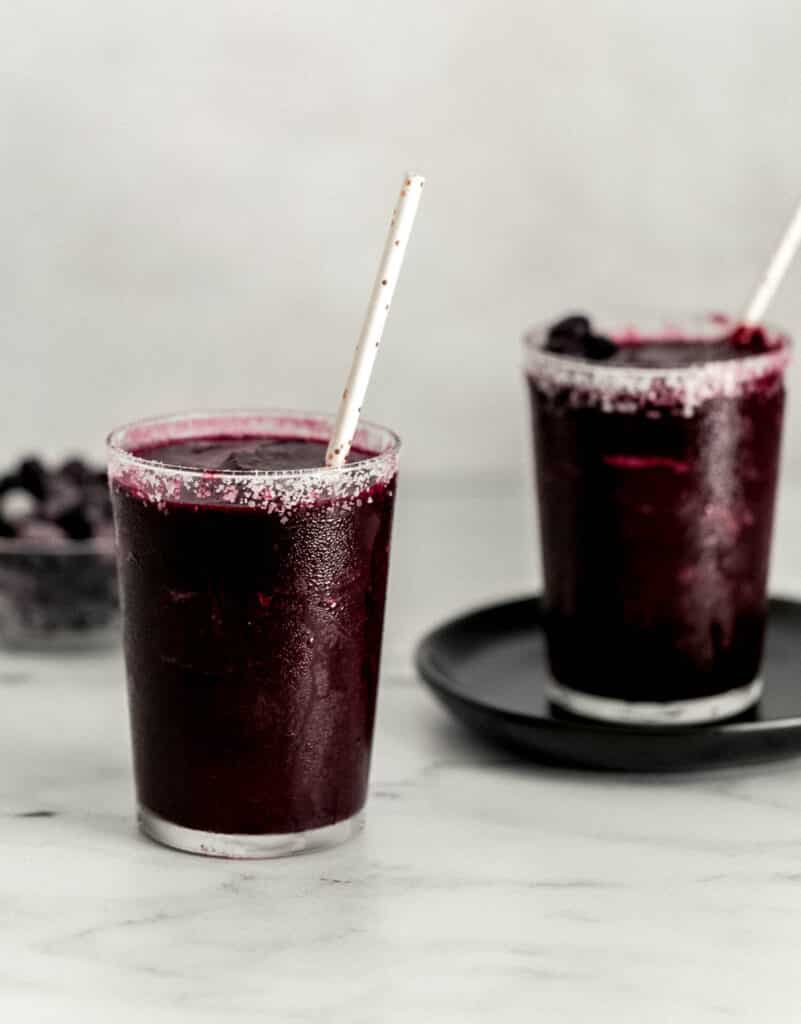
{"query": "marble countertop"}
{"type": "Point", "coordinates": [482, 888]}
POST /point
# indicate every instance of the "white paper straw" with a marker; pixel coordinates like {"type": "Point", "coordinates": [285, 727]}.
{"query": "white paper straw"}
{"type": "Point", "coordinates": [777, 268]}
{"type": "Point", "coordinates": [377, 311]}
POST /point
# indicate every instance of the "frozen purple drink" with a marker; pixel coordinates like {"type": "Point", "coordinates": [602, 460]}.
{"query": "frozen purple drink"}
{"type": "Point", "coordinates": [253, 585]}
{"type": "Point", "coordinates": [657, 453]}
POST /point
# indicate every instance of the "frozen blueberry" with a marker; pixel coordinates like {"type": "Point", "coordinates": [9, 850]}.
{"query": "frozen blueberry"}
{"type": "Point", "coordinates": [573, 328]}
{"type": "Point", "coordinates": [98, 497]}
{"type": "Point", "coordinates": [62, 495]}
{"type": "Point", "coordinates": [76, 470]}
{"type": "Point", "coordinates": [75, 523]}
{"type": "Point", "coordinates": [64, 506]}
{"type": "Point", "coordinates": [600, 347]}
{"type": "Point", "coordinates": [9, 482]}
{"type": "Point", "coordinates": [751, 337]}
{"type": "Point", "coordinates": [18, 504]}
{"type": "Point", "coordinates": [33, 477]}
{"type": "Point", "coordinates": [574, 336]}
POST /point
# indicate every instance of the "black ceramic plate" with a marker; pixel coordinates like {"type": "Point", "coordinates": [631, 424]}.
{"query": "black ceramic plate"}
{"type": "Point", "coordinates": [488, 668]}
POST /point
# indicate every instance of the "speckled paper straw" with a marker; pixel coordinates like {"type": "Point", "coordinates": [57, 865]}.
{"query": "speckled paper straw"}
{"type": "Point", "coordinates": [777, 268]}
{"type": "Point", "coordinates": [377, 311]}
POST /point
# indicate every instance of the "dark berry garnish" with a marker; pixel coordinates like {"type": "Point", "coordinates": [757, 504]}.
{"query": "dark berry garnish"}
{"type": "Point", "coordinates": [600, 347]}
{"type": "Point", "coordinates": [574, 328]}
{"type": "Point", "coordinates": [750, 337]}
{"type": "Point", "coordinates": [574, 336]}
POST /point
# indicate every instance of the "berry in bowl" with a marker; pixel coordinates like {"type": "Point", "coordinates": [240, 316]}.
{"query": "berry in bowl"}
{"type": "Point", "coordinates": [58, 579]}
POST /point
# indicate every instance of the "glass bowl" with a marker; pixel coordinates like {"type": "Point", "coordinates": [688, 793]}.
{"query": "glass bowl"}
{"type": "Point", "coordinates": [58, 596]}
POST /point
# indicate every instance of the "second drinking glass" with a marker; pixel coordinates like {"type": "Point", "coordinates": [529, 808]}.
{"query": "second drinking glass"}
{"type": "Point", "coordinates": [657, 452]}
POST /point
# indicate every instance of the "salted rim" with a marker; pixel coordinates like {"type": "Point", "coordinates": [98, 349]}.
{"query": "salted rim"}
{"type": "Point", "coordinates": [310, 424]}
{"type": "Point", "coordinates": [273, 490]}
{"type": "Point", "coordinates": [625, 388]}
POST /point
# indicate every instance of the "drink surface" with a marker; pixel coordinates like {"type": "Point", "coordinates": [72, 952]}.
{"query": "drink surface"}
{"type": "Point", "coordinates": [252, 643]}
{"type": "Point", "coordinates": [656, 520]}
{"type": "Point", "coordinates": [242, 454]}
{"type": "Point", "coordinates": [575, 337]}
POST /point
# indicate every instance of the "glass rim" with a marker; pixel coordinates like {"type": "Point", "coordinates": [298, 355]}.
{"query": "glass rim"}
{"type": "Point", "coordinates": [614, 386]}
{"type": "Point", "coordinates": [667, 327]}
{"type": "Point", "coordinates": [116, 448]}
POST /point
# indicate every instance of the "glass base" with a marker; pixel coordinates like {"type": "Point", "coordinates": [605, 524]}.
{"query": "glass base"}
{"type": "Point", "coordinates": [244, 846]}
{"type": "Point", "coordinates": [698, 711]}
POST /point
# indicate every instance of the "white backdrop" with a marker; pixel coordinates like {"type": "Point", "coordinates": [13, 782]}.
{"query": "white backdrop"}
{"type": "Point", "coordinates": [195, 194]}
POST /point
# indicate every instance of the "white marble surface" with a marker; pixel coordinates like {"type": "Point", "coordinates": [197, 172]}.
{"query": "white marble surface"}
{"type": "Point", "coordinates": [481, 888]}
